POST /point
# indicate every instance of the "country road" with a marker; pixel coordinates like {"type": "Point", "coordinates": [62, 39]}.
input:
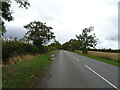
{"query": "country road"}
{"type": "Point", "coordinates": [70, 70]}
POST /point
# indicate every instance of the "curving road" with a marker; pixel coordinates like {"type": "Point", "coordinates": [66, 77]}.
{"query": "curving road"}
{"type": "Point", "coordinates": [70, 70]}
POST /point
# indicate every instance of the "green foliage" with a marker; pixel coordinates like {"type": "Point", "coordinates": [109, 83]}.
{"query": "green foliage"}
{"type": "Point", "coordinates": [14, 47]}
{"type": "Point", "coordinates": [106, 50]}
{"type": "Point", "coordinates": [43, 49]}
{"type": "Point", "coordinates": [6, 13]}
{"type": "Point", "coordinates": [72, 45]}
{"type": "Point", "coordinates": [66, 46]}
{"type": "Point", "coordinates": [87, 40]}
{"type": "Point", "coordinates": [25, 73]}
{"type": "Point", "coordinates": [51, 48]}
{"type": "Point", "coordinates": [39, 33]}
{"type": "Point", "coordinates": [2, 28]}
{"type": "Point", "coordinates": [56, 44]}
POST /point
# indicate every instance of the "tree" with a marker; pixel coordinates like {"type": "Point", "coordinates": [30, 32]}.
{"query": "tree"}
{"type": "Point", "coordinates": [39, 33]}
{"type": "Point", "coordinates": [66, 46]}
{"type": "Point", "coordinates": [71, 45]}
{"type": "Point", "coordinates": [2, 27]}
{"type": "Point", "coordinates": [56, 44]}
{"type": "Point", "coordinates": [74, 44]}
{"type": "Point", "coordinates": [87, 40]}
{"type": "Point", "coordinates": [6, 13]}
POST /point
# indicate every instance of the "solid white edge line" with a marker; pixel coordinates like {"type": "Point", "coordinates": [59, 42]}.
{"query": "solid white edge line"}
{"type": "Point", "coordinates": [101, 77]}
{"type": "Point", "coordinates": [75, 58]}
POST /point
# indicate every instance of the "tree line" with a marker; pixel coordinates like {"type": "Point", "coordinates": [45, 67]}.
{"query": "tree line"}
{"type": "Point", "coordinates": [34, 41]}
{"type": "Point", "coordinates": [84, 41]}
{"type": "Point", "coordinates": [38, 35]}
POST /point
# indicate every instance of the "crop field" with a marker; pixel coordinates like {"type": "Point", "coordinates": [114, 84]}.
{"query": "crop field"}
{"type": "Point", "coordinates": [104, 55]}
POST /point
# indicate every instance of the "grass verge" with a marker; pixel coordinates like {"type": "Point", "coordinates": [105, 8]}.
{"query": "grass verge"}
{"type": "Point", "coordinates": [100, 59]}
{"type": "Point", "coordinates": [25, 73]}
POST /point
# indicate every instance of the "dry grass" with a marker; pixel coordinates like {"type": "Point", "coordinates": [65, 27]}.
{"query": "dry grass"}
{"type": "Point", "coordinates": [104, 55]}
{"type": "Point", "coordinates": [17, 59]}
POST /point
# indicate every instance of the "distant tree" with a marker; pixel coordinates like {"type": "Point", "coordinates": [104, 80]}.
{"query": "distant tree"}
{"type": "Point", "coordinates": [74, 44]}
{"type": "Point", "coordinates": [39, 33]}
{"type": "Point", "coordinates": [87, 40]}
{"type": "Point", "coordinates": [66, 46]}
{"type": "Point", "coordinates": [71, 45]}
{"type": "Point", "coordinates": [6, 13]}
{"type": "Point", "coordinates": [56, 44]}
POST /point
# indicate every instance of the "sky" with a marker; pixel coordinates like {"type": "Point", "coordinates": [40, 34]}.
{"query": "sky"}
{"type": "Point", "coordinates": [68, 18]}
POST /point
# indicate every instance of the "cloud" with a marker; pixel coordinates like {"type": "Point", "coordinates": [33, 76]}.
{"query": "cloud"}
{"type": "Point", "coordinates": [69, 17]}
{"type": "Point", "coordinates": [15, 31]}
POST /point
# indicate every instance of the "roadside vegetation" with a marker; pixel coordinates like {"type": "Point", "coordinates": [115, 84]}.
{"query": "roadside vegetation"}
{"type": "Point", "coordinates": [111, 58]}
{"type": "Point", "coordinates": [25, 73]}
{"type": "Point", "coordinates": [15, 50]}
{"type": "Point", "coordinates": [104, 55]}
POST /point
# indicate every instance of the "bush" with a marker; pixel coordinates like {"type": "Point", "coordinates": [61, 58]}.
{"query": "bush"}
{"type": "Point", "coordinates": [106, 50]}
{"type": "Point", "coordinates": [12, 48]}
{"type": "Point", "coordinates": [51, 48]}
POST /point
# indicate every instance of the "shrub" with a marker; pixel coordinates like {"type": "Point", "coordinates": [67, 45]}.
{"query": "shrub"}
{"type": "Point", "coordinates": [11, 48]}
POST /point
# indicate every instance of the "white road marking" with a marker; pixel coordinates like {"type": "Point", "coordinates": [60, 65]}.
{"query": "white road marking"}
{"type": "Point", "coordinates": [75, 58]}
{"type": "Point", "coordinates": [101, 77]}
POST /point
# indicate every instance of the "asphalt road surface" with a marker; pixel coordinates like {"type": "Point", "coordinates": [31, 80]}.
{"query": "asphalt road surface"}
{"type": "Point", "coordinates": [70, 70]}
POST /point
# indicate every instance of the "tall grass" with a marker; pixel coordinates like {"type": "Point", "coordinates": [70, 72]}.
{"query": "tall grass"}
{"type": "Point", "coordinates": [104, 55]}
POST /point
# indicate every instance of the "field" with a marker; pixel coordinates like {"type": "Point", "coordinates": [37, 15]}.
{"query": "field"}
{"type": "Point", "coordinates": [115, 57]}
{"type": "Point", "coordinates": [25, 73]}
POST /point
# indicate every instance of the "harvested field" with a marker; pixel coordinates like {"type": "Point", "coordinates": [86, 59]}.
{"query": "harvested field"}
{"type": "Point", "coordinates": [104, 55]}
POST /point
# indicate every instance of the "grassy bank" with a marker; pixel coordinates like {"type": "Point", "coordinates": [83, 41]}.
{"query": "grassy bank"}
{"type": "Point", "coordinates": [111, 58]}
{"type": "Point", "coordinates": [26, 72]}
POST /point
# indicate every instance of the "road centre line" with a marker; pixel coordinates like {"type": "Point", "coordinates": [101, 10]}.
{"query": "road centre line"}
{"type": "Point", "coordinates": [75, 58]}
{"type": "Point", "coordinates": [101, 77]}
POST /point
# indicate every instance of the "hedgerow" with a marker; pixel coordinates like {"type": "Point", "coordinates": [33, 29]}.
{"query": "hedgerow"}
{"type": "Point", "coordinates": [11, 48]}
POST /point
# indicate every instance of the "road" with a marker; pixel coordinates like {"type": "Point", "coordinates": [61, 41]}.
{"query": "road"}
{"type": "Point", "coordinates": [70, 70]}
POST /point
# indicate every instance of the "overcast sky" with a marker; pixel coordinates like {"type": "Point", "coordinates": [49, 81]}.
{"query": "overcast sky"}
{"type": "Point", "coordinates": [68, 18]}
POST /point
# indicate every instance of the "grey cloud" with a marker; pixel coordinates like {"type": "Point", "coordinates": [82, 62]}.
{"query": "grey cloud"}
{"type": "Point", "coordinates": [45, 17]}
{"type": "Point", "coordinates": [60, 21]}
{"type": "Point", "coordinates": [113, 38]}
{"type": "Point", "coordinates": [119, 36]}
{"type": "Point", "coordinates": [112, 2]}
{"type": "Point", "coordinates": [99, 41]}
{"type": "Point", "coordinates": [15, 32]}
{"type": "Point", "coordinates": [112, 28]}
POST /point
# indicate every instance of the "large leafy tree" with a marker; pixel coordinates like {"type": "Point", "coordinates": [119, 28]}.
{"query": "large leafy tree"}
{"type": "Point", "coordinates": [39, 33]}
{"type": "Point", "coordinates": [6, 13]}
{"type": "Point", "coordinates": [86, 40]}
